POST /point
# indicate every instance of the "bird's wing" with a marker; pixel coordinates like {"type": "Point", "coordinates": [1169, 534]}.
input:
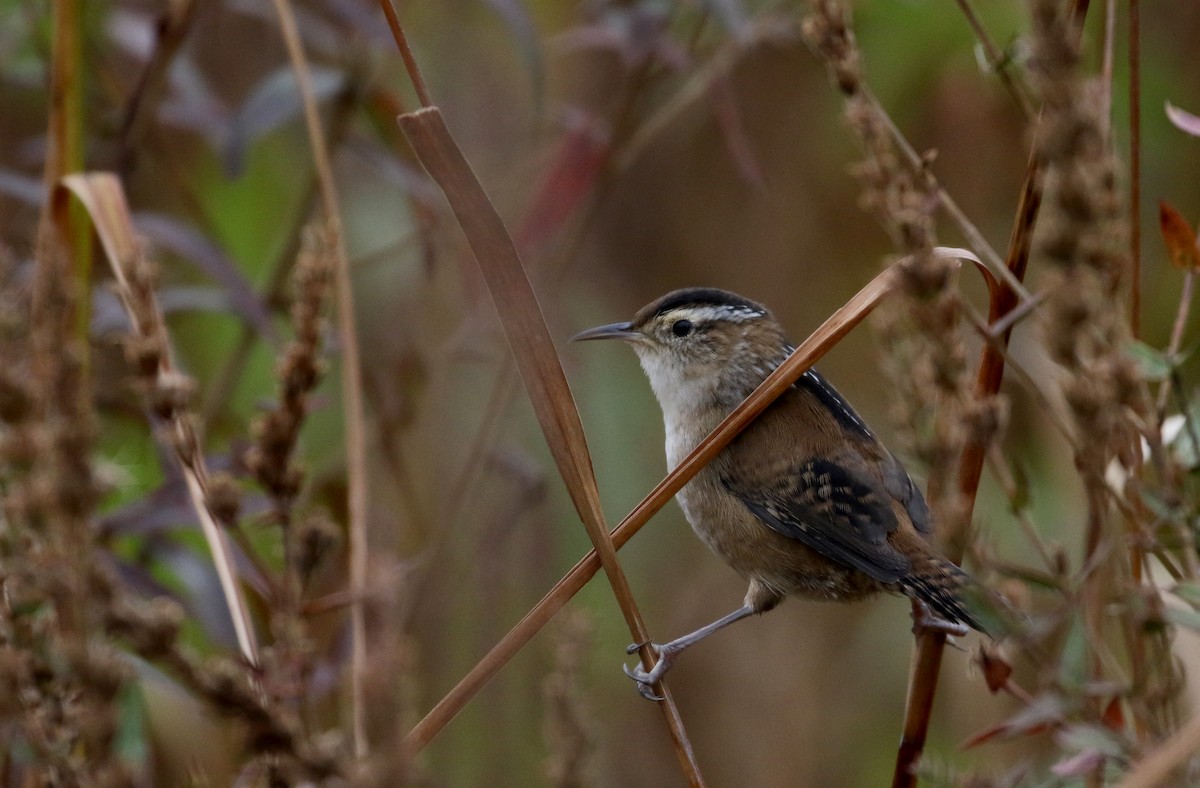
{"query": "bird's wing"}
{"type": "Point", "coordinates": [839, 512]}
{"type": "Point", "coordinates": [900, 485]}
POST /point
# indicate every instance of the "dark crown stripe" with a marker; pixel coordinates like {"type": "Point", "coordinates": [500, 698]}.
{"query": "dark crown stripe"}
{"type": "Point", "coordinates": [700, 296]}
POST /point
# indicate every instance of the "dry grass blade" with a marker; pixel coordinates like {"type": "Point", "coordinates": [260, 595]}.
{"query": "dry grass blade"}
{"type": "Point", "coordinates": [805, 355]}
{"type": "Point", "coordinates": [538, 364]}
{"type": "Point", "coordinates": [104, 198]}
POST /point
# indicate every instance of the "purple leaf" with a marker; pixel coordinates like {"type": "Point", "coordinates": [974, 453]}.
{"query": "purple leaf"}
{"type": "Point", "coordinates": [21, 187]}
{"type": "Point", "coordinates": [172, 234]}
{"type": "Point", "coordinates": [274, 102]}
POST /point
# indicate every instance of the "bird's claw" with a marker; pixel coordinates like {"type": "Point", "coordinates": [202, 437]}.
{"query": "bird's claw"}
{"type": "Point", "coordinates": [925, 620]}
{"type": "Point", "coordinates": [646, 679]}
{"type": "Point", "coordinates": [644, 688]}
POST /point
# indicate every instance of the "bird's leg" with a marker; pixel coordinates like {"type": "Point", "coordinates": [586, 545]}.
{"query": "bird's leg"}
{"type": "Point", "coordinates": [669, 651]}
{"type": "Point", "coordinates": [925, 620]}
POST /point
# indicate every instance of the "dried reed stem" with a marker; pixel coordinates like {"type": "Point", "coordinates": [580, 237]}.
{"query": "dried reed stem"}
{"type": "Point", "coordinates": [540, 368]}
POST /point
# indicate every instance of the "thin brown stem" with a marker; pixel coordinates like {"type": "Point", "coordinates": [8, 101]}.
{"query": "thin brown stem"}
{"type": "Point", "coordinates": [1176, 341]}
{"type": "Point", "coordinates": [410, 62]}
{"type": "Point", "coordinates": [996, 60]}
{"type": "Point", "coordinates": [927, 660]}
{"type": "Point", "coordinates": [356, 460]}
{"type": "Point", "coordinates": [173, 27]}
{"type": "Point", "coordinates": [979, 244]}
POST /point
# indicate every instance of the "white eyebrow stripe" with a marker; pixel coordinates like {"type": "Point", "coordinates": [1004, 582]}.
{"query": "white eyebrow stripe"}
{"type": "Point", "coordinates": [736, 314]}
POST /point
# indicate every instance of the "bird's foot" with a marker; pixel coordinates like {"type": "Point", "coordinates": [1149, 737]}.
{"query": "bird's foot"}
{"type": "Point", "coordinates": [925, 620]}
{"type": "Point", "coordinates": [646, 679]}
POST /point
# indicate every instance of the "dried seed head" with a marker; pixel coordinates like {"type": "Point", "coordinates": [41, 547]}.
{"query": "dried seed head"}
{"type": "Point", "coordinates": [224, 498]}
{"type": "Point", "coordinates": [318, 536]}
{"type": "Point", "coordinates": [145, 354]}
{"type": "Point", "coordinates": [172, 393]}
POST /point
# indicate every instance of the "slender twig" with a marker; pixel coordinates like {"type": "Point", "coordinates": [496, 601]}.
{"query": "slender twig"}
{"type": "Point", "coordinates": [998, 342]}
{"type": "Point", "coordinates": [1176, 341]}
{"type": "Point", "coordinates": [996, 60]}
{"type": "Point", "coordinates": [1000, 471]}
{"type": "Point", "coordinates": [410, 62]}
{"type": "Point", "coordinates": [172, 29]}
{"type": "Point", "coordinates": [974, 237]}
{"type": "Point", "coordinates": [62, 224]}
{"type": "Point", "coordinates": [356, 461]}
{"type": "Point", "coordinates": [1004, 325]}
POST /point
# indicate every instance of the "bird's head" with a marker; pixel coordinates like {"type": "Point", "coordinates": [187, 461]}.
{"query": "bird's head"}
{"type": "Point", "coordinates": [700, 347]}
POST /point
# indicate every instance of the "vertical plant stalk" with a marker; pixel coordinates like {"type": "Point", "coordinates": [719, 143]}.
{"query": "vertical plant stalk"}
{"type": "Point", "coordinates": [930, 646]}
{"type": "Point", "coordinates": [1135, 168]}
{"type": "Point", "coordinates": [352, 394]}
{"type": "Point", "coordinates": [927, 660]}
{"type": "Point", "coordinates": [999, 63]}
{"type": "Point", "coordinates": [1176, 341]}
{"type": "Point", "coordinates": [64, 229]}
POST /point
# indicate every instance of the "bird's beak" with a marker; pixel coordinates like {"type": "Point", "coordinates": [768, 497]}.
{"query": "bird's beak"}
{"type": "Point", "coordinates": [611, 331]}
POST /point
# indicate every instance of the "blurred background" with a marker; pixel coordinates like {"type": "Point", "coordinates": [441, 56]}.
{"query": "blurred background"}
{"type": "Point", "coordinates": [632, 148]}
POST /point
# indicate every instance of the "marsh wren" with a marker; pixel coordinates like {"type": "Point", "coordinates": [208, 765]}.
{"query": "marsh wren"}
{"type": "Point", "coordinates": [805, 501]}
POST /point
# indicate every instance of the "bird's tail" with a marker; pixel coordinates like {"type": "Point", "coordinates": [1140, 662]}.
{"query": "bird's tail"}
{"type": "Point", "coordinates": [946, 589]}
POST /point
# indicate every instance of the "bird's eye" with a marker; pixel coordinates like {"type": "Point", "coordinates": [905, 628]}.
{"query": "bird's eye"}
{"type": "Point", "coordinates": [681, 328]}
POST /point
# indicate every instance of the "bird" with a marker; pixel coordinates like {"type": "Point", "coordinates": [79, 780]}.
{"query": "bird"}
{"type": "Point", "coordinates": [806, 501]}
